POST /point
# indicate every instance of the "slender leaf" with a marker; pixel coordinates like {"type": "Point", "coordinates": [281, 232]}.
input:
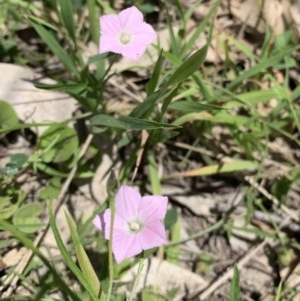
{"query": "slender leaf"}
{"type": "Point", "coordinates": [235, 285]}
{"type": "Point", "coordinates": [68, 259]}
{"type": "Point", "coordinates": [261, 66]}
{"type": "Point", "coordinates": [55, 47]}
{"type": "Point", "coordinates": [278, 292]}
{"type": "Point", "coordinates": [188, 67]}
{"type": "Point", "coordinates": [233, 166]}
{"type": "Point", "coordinates": [151, 85]}
{"type": "Point", "coordinates": [127, 123]}
{"type": "Point", "coordinates": [191, 106]}
{"type": "Point", "coordinates": [29, 245]}
{"type": "Point", "coordinates": [66, 10]}
{"type": "Point", "coordinates": [85, 265]}
{"type": "Point", "coordinates": [93, 19]}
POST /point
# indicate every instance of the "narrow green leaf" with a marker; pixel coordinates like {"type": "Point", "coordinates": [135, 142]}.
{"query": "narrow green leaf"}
{"type": "Point", "coordinates": [173, 252]}
{"type": "Point", "coordinates": [235, 285]}
{"type": "Point", "coordinates": [251, 98]}
{"type": "Point", "coordinates": [201, 27]}
{"type": "Point", "coordinates": [141, 110]}
{"type": "Point", "coordinates": [60, 282]}
{"type": "Point", "coordinates": [153, 173]}
{"type": "Point", "coordinates": [85, 265]}
{"type": "Point", "coordinates": [66, 11]}
{"type": "Point", "coordinates": [67, 257]}
{"type": "Point", "coordinates": [127, 123]}
{"type": "Point", "coordinates": [191, 106]}
{"type": "Point", "coordinates": [55, 47]}
{"type": "Point", "coordinates": [188, 67]}
{"type": "Point", "coordinates": [151, 85]}
{"type": "Point", "coordinates": [72, 88]}
{"type": "Point", "coordinates": [93, 19]}
{"type": "Point", "coordinates": [261, 66]}
{"type": "Point", "coordinates": [278, 292]}
{"type": "Point", "coordinates": [233, 166]}
{"type": "Point", "coordinates": [223, 117]}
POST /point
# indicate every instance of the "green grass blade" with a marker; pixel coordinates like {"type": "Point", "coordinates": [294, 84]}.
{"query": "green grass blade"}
{"type": "Point", "coordinates": [278, 292]}
{"type": "Point", "coordinates": [85, 265]}
{"type": "Point", "coordinates": [67, 257]}
{"type": "Point", "coordinates": [188, 67]}
{"type": "Point", "coordinates": [127, 123]}
{"type": "Point", "coordinates": [261, 66]}
{"type": "Point", "coordinates": [66, 11]}
{"type": "Point", "coordinates": [232, 166]}
{"type": "Point", "coordinates": [29, 245]}
{"type": "Point", "coordinates": [55, 47]}
{"type": "Point", "coordinates": [235, 285]}
{"type": "Point", "coordinates": [201, 27]}
{"type": "Point", "coordinates": [93, 19]}
{"type": "Point", "coordinates": [151, 85]}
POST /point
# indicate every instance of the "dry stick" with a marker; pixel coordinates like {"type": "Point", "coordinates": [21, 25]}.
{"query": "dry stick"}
{"type": "Point", "coordinates": [56, 205]}
{"type": "Point", "coordinates": [241, 263]}
{"type": "Point", "coordinates": [228, 275]}
{"type": "Point", "coordinates": [294, 215]}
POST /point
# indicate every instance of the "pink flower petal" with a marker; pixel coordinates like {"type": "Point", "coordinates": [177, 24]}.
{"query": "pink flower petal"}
{"type": "Point", "coordinates": [97, 222]}
{"type": "Point", "coordinates": [130, 18]}
{"type": "Point", "coordinates": [133, 51]}
{"type": "Point", "coordinates": [107, 43]}
{"type": "Point", "coordinates": [103, 220]}
{"type": "Point", "coordinates": [153, 207]}
{"type": "Point", "coordinates": [153, 235]}
{"type": "Point", "coordinates": [110, 25]}
{"type": "Point", "coordinates": [144, 34]}
{"type": "Point", "coordinates": [125, 245]}
{"type": "Point", "coordinates": [127, 202]}
{"type": "Point", "coordinates": [129, 22]}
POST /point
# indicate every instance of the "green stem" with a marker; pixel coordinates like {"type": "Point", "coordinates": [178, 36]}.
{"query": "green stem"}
{"type": "Point", "coordinates": [214, 227]}
{"type": "Point", "coordinates": [110, 254]}
{"type": "Point", "coordinates": [290, 103]}
{"type": "Point", "coordinates": [137, 279]}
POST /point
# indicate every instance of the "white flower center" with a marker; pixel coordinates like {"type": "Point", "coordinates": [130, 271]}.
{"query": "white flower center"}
{"type": "Point", "coordinates": [135, 226]}
{"type": "Point", "coordinates": [125, 38]}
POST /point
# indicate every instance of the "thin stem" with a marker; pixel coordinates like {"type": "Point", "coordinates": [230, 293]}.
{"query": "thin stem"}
{"type": "Point", "coordinates": [110, 255]}
{"type": "Point", "coordinates": [214, 227]}
{"type": "Point", "coordinates": [137, 279]}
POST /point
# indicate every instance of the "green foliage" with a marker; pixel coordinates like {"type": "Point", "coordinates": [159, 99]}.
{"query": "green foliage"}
{"type": "Point", "coordinates": [10, 199]}
{"type": "Point", "coordinates": [55, 46]}
{"type": "Point", "coordinates": [8, 116]}
{"type": "Point", "coordinates": [58, 143]}
{"type": "Point", "coordinates": [202, 120]}
{"type": "Point", "coordinates": [16, 162]}
{"type": "Point", "coordinates": [126, 123]}
{"type": "Point", "coordinates": [68, 259]}
{"type": "Point", "coordinates": [26, 218]}
{"type": "Point", "coordinates": [235, 285]}
{"type": "Point", "coordinates": [84, 262]}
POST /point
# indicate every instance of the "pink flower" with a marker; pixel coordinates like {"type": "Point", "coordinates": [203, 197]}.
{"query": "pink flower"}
{"type": "Point", "coordinates": [137, 224]}
{"type": "Point", "coordinates": [125, 33]}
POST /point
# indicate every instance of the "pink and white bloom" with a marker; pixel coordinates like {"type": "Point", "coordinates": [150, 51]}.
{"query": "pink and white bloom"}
{"type": "Point", "coordinates": [125, 33]}
{"type": "Point", "coordinates": [137, 224]}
